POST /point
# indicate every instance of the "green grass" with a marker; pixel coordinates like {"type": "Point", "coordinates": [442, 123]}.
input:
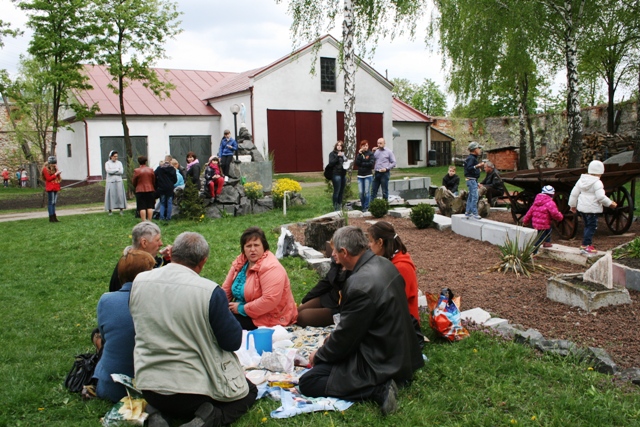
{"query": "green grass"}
{"type": "Point", "coordinates": [54, 274]}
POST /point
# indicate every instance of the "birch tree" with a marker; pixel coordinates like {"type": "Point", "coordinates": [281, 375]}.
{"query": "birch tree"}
{"type": "Point", "coordinates": [364, 22]}
{"type": "Point", "coordinates": [134, 34]}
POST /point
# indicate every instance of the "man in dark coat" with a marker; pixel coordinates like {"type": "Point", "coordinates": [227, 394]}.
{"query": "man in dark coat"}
{"type": "Point", "coordinates": [165, 180]}
{"type": "Point", "coordinates": [492, 185]}
{"type": "Point", "coordinates": [373, 348]}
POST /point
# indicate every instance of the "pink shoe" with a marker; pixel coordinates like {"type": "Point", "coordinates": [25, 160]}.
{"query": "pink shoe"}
{"type": "Point", "coordinates": [547, 245]}
{"type": "Point", "coordinates": [588, 250]}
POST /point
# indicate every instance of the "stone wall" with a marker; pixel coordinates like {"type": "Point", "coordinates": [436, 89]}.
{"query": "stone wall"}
{"type": "Point", "coordinates": [549, 129]}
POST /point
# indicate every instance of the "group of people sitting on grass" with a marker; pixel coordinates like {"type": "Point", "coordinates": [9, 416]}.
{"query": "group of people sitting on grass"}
{"type": "Point", "coordinates": [176, 332]}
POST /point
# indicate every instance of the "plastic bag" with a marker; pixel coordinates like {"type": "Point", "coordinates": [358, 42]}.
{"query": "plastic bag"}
{"type": "Point", "coordinates": [286, 245]}
{"type": "Point", "coordinates": [444, 316]}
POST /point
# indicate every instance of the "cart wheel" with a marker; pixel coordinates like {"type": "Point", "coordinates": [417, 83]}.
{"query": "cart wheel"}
{"type": "Point", "coordinates": [568, 227]}
{"type": "Point", "coordinates": [619, 219]}
{"type": "Point", "coordinates": [520, 204]}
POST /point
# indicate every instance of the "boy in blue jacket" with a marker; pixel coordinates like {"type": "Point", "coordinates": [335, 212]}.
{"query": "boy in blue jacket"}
{"type": "Point", "coordinates": [471, 174]}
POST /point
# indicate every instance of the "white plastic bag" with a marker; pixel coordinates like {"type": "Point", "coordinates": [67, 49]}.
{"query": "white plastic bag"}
{"type": "Point", "coordinates": [286, 245]}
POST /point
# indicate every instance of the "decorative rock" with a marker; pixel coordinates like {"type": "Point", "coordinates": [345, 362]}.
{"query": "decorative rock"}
{"type": "Point", "coordinates": [321, 265]}
{"type": "Point", "coordinates": [630, 374]}
{"type": "Point", "coordinates": [310, 253]}
{"type": "Point", "coordinates": [602, 361]}
{"type": "Point", "coordinates": [560, 347]}
{"type": "Point", "coordinates": [506, 330]}
{"type": "Point", "coordinates": [441, 222]}
{"type": "Point", "coordinates": [229, 195]}
{"type": "Point", "coordinates": [476, 315]}
{"type": "Point", "coordinates": [530, 335]}
{"type": "Point", "coordinates": [495, 321]}
{"type": "Point", "coordinates": [601, 272]}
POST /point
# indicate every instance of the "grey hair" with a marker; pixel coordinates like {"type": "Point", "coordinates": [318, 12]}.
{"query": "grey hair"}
{"type": "Point", "coordinates": [189, 249]}
{"type": "Point", "coordinates": [489, 164]}
{"type": "Point", "coordinates": [146, 229]}
{"type": "Point", "coordinates": [350, 238]}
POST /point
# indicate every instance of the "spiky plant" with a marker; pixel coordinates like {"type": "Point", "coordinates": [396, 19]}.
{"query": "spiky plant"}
{"type": "Point", "coordinates": [516, 259]}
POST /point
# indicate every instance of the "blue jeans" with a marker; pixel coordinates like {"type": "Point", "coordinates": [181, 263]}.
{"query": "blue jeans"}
{"type": "Point", "coordinates": [590, 227]}
{"type": "Point", "coordinates": [52, 198]}
{"type": "Point", "coordinates": [166, 204]}
{"type": "Point", "coordinates": [364, 188]}
{"type": "Point", "coordinates": [339, 182]}
{"type": "Point", "coordinates": [381, 178]}
{"type": "Point", "coordinates": [472, 200]}
{"type": "Point", "coordinates": [543, 236]}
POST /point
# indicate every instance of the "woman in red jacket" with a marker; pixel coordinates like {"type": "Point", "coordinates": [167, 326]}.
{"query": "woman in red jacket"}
{"type": "Point", "coordinates": [51, 177]}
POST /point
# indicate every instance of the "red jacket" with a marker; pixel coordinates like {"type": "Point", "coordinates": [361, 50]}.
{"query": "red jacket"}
{"type": "Point", "coordinates": [52, 181]}
{"type": "Point", "coordinates": [541, 213]}
{"type": "Point", "coordinates": [407, 269]}
{"type": "Point", "coordinates": [267, 291]}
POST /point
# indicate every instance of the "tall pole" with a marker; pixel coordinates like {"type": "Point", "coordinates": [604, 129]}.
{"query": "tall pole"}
{"type": "Point", "coordinates": [235, 131]}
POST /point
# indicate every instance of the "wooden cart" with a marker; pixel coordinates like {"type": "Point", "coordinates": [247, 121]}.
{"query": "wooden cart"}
{"type": "Point", "coordinates": [615, 176]}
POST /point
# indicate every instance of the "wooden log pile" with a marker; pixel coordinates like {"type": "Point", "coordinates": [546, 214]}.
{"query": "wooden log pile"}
{"type": "Point", "coordinates": [595, 146]}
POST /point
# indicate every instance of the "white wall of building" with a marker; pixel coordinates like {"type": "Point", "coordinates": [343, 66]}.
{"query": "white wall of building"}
{"type": "Point", "coordinates": [156, 129]}
{"type": "Point", "coordinates": [290, 86]}
{"type": "Point", "coordinates": [410, 131]}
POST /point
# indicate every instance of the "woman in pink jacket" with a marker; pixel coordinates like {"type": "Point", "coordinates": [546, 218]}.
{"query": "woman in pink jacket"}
{"type": "Point", "coordinates": [257, 285]}
{"type": "Point", "coordinates": [541, 213]}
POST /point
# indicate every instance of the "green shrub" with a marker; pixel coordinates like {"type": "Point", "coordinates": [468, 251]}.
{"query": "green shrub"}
{"type": "Point", "coordinates": [518, 260]}
{"type": "Point", "coordinates": [191, 206]}
{"type": "Point", "coordinates": [379, 207]}
{"type": "Point", "coordinates": [422, 215]}
{"type": "Point", "coordinates": [630, 250]}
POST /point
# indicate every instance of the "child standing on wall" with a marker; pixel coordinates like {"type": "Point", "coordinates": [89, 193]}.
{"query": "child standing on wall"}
{"type": "Point", "coordinates": [540, 214]}
{"type": "Point", "coordinates": [471, 174]}
{"type": "Point", "coordinates": [588, 197]}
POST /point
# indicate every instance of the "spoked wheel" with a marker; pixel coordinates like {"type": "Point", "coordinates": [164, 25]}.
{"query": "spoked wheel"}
{"type": "Point", "coordinates": [568, 227]}
{"type": "Point", "coordinates": [619, 219]}
{"type": "Point", "coordinates": [520, 204]}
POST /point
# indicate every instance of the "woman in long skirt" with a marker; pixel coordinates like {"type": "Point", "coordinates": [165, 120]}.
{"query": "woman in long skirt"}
{"type": "Point", "coordinates": [115, 196]}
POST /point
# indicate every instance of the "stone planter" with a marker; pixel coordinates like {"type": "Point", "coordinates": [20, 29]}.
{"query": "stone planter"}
{"type": "Point", "coordinates": [625, 276]}
{"type": "Point", "coordinates": [560, 289]}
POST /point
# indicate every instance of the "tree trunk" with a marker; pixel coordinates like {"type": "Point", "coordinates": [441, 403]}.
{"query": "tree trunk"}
{"type": "Point", "coordinates": [522, 158]}
{"type": "Point", "coordinates": [636, 145]}
{"type": "Point", "coordinates": [532, 139]}
{"type": "Point", "coordinates": [574, 119]}
{"type": "Point", "coordinates": [611, 108]}
{"type": "Point", "coordinates": [348, 65]}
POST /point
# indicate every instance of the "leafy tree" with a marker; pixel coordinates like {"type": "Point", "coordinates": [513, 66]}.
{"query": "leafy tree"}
{"type": "Point", "coordinates": [61, 31]}
{"type": "Point", "coordinates": [364, 22]}
{"type": "Point", "coordinates": [131, 41]}
{"type": "Point", "coordinates": [6, 30]}
{"type": "Point", "coordinates": [426, 97]}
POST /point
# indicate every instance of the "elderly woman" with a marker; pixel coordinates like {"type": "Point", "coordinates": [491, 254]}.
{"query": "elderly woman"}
{"type": "Point", "coordinates": [116, 327]}
{"type": "Point", "coordinates": [115, 196]}
{"type": "Point", "coordinates": [257, 285]}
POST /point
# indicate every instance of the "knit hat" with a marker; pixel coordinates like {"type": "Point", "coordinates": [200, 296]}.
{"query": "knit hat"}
{"type": "Point", "coordinates": [473, 145]}
{"type": "Point", "coordinates": [596, 167]}
{"type": "Point", "coordinates": [547, 189]}
{"type": "Point", "coordinates": [52, 160]}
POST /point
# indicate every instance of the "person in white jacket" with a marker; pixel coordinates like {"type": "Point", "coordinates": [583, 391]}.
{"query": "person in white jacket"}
{"type": "Point", "coordinates": [588, 197]}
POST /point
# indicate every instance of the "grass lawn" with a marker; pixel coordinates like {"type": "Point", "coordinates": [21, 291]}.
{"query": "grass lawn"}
{"type": "Point", "coordinates": [54, 274]}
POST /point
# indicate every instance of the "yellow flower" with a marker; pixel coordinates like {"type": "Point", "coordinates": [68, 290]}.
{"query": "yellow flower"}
{"type": "Point", "coordinates": [475, 350]}
{"type": "Point", "coordinates": [264, 419]}
{"type": "Point", "coordinates": [589, 368]}
{"type": "Point", "coordinates": [40, 409]}
{"type": "Point", "coordinates": [513, 421]}
{"type": "Point", "coordinates": [202, 216]}
{"type": "Point", "coordinates": [533, 418]}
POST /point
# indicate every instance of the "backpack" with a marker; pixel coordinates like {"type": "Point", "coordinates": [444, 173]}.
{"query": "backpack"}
{"type": "Point", "coordinates": [328, 172]}
{"type": "Point", "coordinates": [81, 371]}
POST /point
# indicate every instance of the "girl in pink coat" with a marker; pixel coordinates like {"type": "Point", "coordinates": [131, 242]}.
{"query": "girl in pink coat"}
{"type": "Point", "coordinates": [541, 213]}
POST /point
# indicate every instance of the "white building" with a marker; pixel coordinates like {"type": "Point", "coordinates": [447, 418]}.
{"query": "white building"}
{"type": "Point", "coordinates": [290, 112]}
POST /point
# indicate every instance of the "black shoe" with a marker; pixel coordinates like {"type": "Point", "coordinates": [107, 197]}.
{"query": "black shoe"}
{"type": "Point", "coordinates": [156, 419]}
{"type": "Point", "coordinates": [205, 416]}
{"type": "Point", "coordinates": [387, 397]}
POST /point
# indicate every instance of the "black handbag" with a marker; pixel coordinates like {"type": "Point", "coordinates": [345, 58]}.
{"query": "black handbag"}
{"type": "Point", "coordinates": [81, 371]}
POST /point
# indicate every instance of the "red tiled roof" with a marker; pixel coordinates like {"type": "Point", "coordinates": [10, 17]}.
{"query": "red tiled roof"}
{"type": "Point", "coordinates": [140, 101]}
{"type": "Point", "coordinates": [231, 84]}
{"type": "Point", "coordinates": [403, 112]}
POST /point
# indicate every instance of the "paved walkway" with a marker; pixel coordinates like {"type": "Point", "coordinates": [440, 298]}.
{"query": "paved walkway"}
{"type": "Point", "coordinates": [60, 212]}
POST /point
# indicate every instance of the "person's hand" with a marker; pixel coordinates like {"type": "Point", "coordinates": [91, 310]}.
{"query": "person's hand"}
{"type": "Point", "coordinates": [574, 210]}
{"type": "Point", "coordinates": [613, 205]}
{"type": "Point", "coordinates": [166, 252]}
{"type": "Point", "coordinates": [233, 307]}
{"type": "Point", "coordinates": [312, 357]}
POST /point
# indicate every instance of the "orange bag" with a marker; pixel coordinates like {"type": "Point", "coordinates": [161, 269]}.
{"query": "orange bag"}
{"type": "Point", "coordinates": [444, 315]}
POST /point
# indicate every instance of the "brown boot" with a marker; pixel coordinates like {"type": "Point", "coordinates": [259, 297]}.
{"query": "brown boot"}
{"type": "Point", "coordinates": [51, 218]}
{"type": "Point", "coordinates": [55, 218]}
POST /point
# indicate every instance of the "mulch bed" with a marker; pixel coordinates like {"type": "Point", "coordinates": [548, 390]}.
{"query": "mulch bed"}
{"type": "Point", "coordinates": [445, 259]}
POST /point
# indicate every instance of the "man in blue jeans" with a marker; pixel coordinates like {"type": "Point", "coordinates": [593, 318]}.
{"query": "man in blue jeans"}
{"type": "Point", "coordinates": [385, 161]}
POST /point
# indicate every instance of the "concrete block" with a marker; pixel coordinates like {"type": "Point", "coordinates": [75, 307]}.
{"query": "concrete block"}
{"type": "Point", "coordinates": [400, 212]}
{"type": "Point", "coordinates": [569, 254]}
{"type": "Point", "coordinates": [477, 315]}
{"type": "Point", "coordinates": [441, 222]}
{"type": "Point", "coordinates": [633, 279]}
{"type": "Point", "coordinates": [495, 322]}
{"type": "Point", "coordinates": [466, 227]}
{"type": "Point", "coordinates": [246, 158]}
{"type": "Point", "coordinates": [371, 221]}
{"type": "Point", "coordinates": [399, 185]}
{"type": "Point", "coordinates": [321, 265]}
{"type": "Point", "coordinates": [494, 234]}
{"type": "Point", "coordinates": [310, 253]}
{"type": "Point", "coordinates": [416, 183]}
{"type": "Point", "coordinates": [601, 271]}
{"type": "Point", "coordinates": [559, 289]}
{"type": "Point", "coordinates": [261, 172]}
{"type": "Point", "coordinates": [414, 202]}
{"type": "Point", "coordinates": [332, 215]}
{"type": "Point", "coordinates": [355, 214]}
{"type": "Point", "coordinates": [498, 209]}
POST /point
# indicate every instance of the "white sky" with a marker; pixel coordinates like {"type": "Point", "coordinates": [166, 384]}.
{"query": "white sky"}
{"type": "Point", "coordinates": [240, 35]}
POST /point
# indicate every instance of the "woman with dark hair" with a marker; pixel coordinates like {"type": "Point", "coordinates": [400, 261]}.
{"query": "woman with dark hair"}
{"type": "Point", "coordinates": [115, 196]}
{"type": "Point", "coordinates": [193, 169]}
{"type": "Point", "coordinates": [365, 163]}
{"type": "Point", "coordinates": [257, 285]}
{"type": "Point", "coordinates": [116, 327]}
{"type": "Point", "coordinates": [336, 162]}
{"type": "Point", "coordinates": [144, 181]}
{"type": "Point", "coordinates": [385, 242]}
{"type": "Point", "coordinates": [51, 177]}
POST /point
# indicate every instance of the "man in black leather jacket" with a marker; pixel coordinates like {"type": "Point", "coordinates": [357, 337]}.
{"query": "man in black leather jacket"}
{"type": "Point", "coordinates": [373, 348]}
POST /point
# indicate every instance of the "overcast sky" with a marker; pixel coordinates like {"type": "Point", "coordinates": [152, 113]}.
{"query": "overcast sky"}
{"type": "Point", "coordinates": [240, 35]}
